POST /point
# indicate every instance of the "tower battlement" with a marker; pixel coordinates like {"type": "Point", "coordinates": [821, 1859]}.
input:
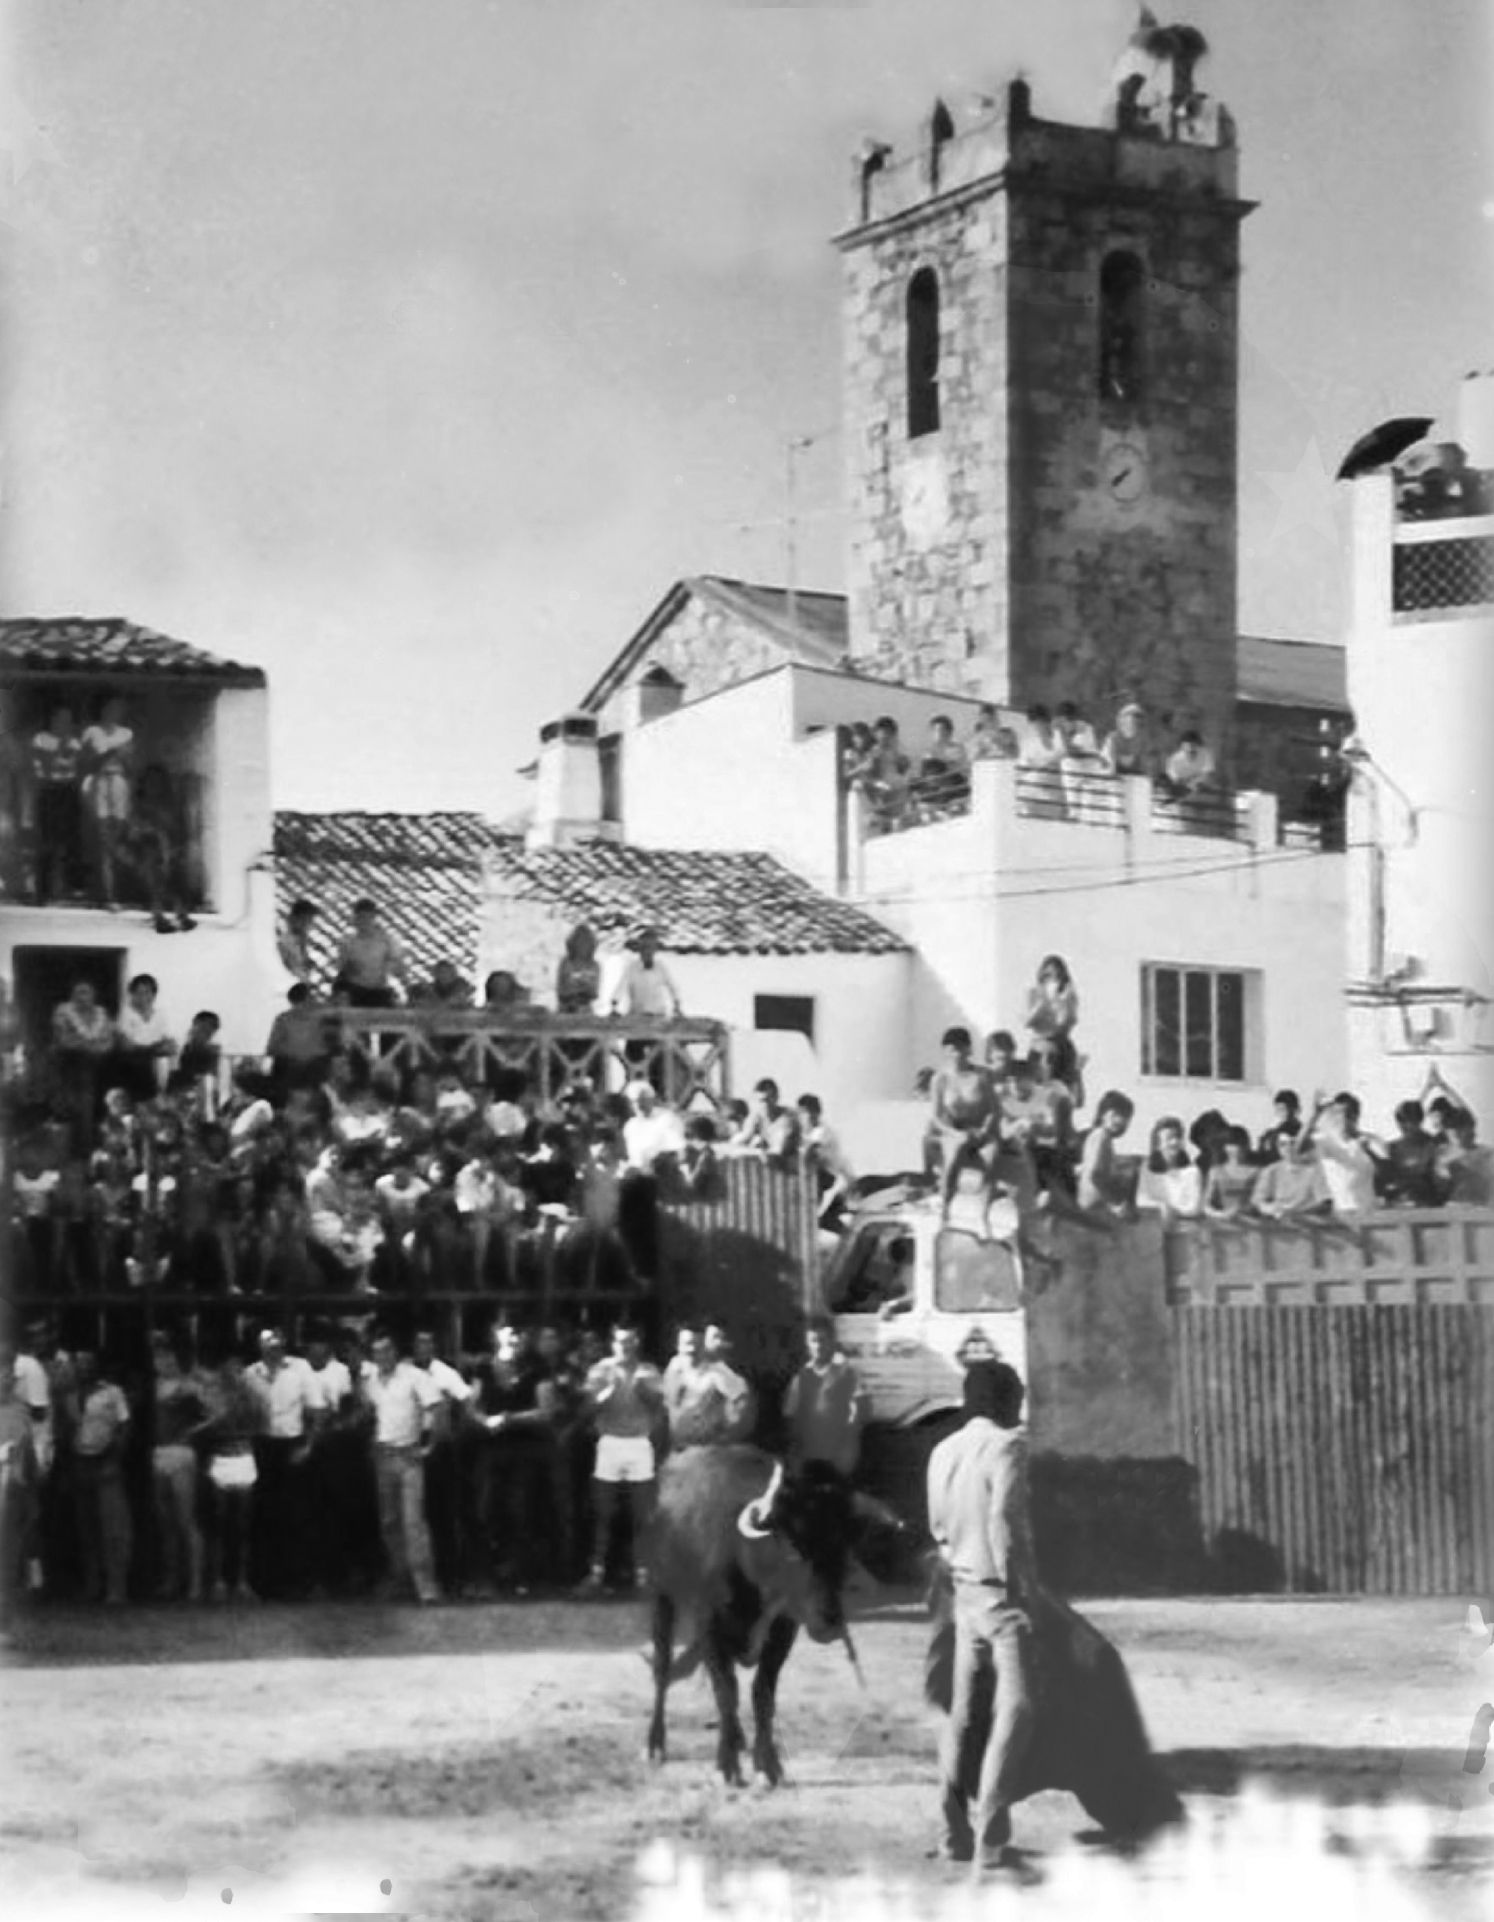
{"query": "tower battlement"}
{"type": "Point", "coordinates": [994, 142]}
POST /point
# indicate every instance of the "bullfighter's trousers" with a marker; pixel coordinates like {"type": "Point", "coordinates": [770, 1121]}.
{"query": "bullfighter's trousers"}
{"type": "Point", "coordinates": [992, 1654]}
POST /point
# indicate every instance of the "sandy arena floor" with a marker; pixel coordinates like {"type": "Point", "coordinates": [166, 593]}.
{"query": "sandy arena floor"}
{"type": "Point", "coordinates": [488, 1760]}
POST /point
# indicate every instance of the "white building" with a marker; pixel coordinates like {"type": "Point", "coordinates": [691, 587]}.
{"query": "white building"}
{"type": "Point", "coordinates": [1420, 650]}
{"type": "Point", "coordinates": [203, 723]}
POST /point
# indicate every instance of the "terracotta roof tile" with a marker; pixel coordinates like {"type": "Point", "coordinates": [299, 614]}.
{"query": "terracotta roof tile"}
{"type": "Point", "coordinates": [427, 873]}
{"type": "Point", "coordinates": [77, 645]}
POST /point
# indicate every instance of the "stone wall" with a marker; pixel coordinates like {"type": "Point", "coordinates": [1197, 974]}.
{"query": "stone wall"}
{"type": "Point", "coordinates": [705, 648]}
{"type": "Point", "coordinates": [996, 556]}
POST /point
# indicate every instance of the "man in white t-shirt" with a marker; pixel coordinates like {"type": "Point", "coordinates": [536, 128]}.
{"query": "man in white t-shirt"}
{"type": "Point", "coordinates": [653, 1133]}
{"type": "Point", "coordinates": [289, 1397]}
{"type": "Point", "coordinates": [146, 1045]}
{"type": "Point", "coordinates": [403, 1399]}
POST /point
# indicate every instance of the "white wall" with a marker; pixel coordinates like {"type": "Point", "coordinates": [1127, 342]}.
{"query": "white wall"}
{"type": "Point", "coordinates": [986, 897]}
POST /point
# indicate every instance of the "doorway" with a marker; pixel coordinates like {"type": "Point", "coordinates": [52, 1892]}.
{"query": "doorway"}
{"type": "Point", "coordinates": [46, 976]}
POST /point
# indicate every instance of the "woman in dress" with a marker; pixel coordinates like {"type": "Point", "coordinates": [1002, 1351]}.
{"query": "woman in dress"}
{"type": "Point", "coordinates": [108, 750]}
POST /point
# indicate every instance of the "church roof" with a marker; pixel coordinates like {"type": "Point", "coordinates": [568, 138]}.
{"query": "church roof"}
{"type": "Point", "coordinates": [429, 874]}
{"type": "Point", "coordinates": [80, 644]}
{"type": "Point", "coordinates": [1273, 673]}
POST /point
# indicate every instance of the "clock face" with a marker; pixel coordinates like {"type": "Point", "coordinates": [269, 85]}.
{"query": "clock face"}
{"type": "Point", "coordinates": [1123, 472]}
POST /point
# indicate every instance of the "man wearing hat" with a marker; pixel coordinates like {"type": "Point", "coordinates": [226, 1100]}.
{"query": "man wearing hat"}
{"type": "Point", "coordinates": [646, 989]}
{"type": "Point", "coordinates": [978, 1516]}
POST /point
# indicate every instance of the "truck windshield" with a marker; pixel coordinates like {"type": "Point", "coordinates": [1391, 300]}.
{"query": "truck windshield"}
{"type": "Point", "coordinates": [971, 1275]}
{"type": "Point", "coordinates": [875, 1272]}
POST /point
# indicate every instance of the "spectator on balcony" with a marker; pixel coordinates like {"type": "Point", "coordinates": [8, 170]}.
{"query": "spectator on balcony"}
{"type": "Point", "coordinates": [1294, 1184]}
{"type": "Point", "coordinates": [1189, 770]}
{"type": "Point", "coordinates": [578, 979]}
{"type": "Point", "coordinates": [1105, 1187]}
{"type": "Point", "coordinates": [56, 767]}
{"type": "Point", "coordinates": [1042, 746]}
{"type": "Point", "coordinates": [1286, 1112]}
{"type": "Point", "coordinates": [1408, 1176]}
{"type": "Point", "coordinates": [1229, 1182]}
{"type": "Point", "coordinates": [945, 764]}
{"type": "Point", "coordinates": [145, 1046]}
{"type": "Point", "coordinates": [859, 756]}
{"type": "Point", "coordinates": [990, 738]}
{"type": "Point", "coordinates": [1465, 1170]}
{"type": "Point", "coordinates": [294, 944]}
{"type": "Point", "coordinates": [370, 960]}
{"type": "Point", "coordinates": [645, 988]}
{"type": "Point", "coordinates": [445, 989]}
{"type": "Point", "coordinates": [83, 1039]}
{"type": "Point", "coordinates": [150, 844]}
{"type": "Point", "coordinates": [885, 781]}
{"type": "Point", "coordinates": [503, 995]}
{"type": "Point", "coordinates": [1170, 1184]}
{"type": "Point", "coordinates": [201, 1056]}
{"type": "Point", "coordinates": [1127, 747]}
{"type": "Point", "coordinates": [108, 755]}
{"type": "Point", "coordinates": [965, 1109]}
{"type": "Point", "coordinates": [1347, 1157]}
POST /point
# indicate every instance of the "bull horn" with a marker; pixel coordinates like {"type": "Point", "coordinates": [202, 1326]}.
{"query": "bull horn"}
{"type": "Point", "coordinates": [845, 1636]}
{"type": "Point", "coordinates": [755, 1519]}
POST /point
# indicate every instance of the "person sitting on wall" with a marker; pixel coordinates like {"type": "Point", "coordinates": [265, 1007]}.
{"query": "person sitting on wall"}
{"type": "Point", "coordinates": [965, 1108]}
{"type": "Point", "coordinates": [1189, 770]}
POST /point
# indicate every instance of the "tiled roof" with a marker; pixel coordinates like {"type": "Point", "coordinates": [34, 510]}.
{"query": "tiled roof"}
{"type": "Point", "coordinates": [1290, 673]}
{"type": "Point", "coordinates": [74, 645]}
{"type": "Point", "coordinates": [424, 870]}
{"type": "Point", "coordinates": [701, 902]}
{"type": "Point", "coordinates": [426, 873]}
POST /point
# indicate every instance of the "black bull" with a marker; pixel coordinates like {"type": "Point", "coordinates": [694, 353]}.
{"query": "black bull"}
{"type": "Point", "coordinates": [1089, 1737]}
{"type": "Point", "coordinates": [742, 1555]}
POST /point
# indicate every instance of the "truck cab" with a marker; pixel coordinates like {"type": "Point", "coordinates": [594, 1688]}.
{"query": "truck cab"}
{"type": "Point", "coordinates": [914, 1301]}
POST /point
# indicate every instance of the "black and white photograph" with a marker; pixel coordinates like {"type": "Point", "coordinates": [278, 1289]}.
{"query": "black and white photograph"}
{"type": "Point", "coordinates": [746, 959]}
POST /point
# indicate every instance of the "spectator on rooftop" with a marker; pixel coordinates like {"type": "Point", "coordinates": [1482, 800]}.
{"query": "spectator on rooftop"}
{"type": "Point", "coordinates": [1081, 759]}
{"type": "Point", "coordinates": [1170, 1184]}
{"type": "Point", "coordinates": [1188, 770]}
{"type": "Point", "coordinates": [1230, 1182]}
{"type": "Point", "coordinates": [1053, 1014]}
{"type": "Point", "coordinates": [1347, 1157]}
{"type": "Point", "coordinates": [294, 944]}
{"type": "Point", "coordinates": [944, 759]}
{"type": "Point", "coordinates": [1293, 1184]}
{"type": "Point", "coordinates": [1286, 1112]}
{"type": "Point", "coordinates": [990, 739]}
{"type": "Point", "coordinates": [1127, 748]}
{"type": "Point", "coordinates": [965, 1108]}
{"type": "Point", "coordinates": [1001, 1056]}
{"type": "Point", "coordinates": [1042, 746]}
{"type": "Point", "coordinates": [1408, 1176]}
{"type": "Point", "coordinates": [370, 960]}
{"type": "Point", "coordinates": [1104, 1187]}
{"type": "Point", "coordinates": [1050, 1107]}
{"type": "Point", "coordinates": [886, 780]}
{"type": "Point", "coordinates": [858, 754]}
{"type": "Point", "coordinates": [826, 1158]}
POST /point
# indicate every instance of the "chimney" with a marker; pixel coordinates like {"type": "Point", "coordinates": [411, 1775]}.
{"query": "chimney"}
{"type": "Point", "coordinates": [649, 698]}
{"type": "Point", "coordinates": [568, 784]}
{"type": "Point", "coordinates": [1475, 427]}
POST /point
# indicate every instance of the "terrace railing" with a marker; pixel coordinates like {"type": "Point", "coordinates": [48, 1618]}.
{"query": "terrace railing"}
{"type": "Point", "coordinates": [686, 1059]}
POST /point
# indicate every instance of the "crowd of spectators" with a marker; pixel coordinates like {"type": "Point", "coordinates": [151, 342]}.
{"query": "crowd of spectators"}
{"type": "Point", "coordinates": [1005, 1132]}
{"type": "Point", "coordinates": [356, 1466]}
{"type": "Point", "coordinates": [318, 1169]}
{"type": "Point", "coordinates": [1060, 747]}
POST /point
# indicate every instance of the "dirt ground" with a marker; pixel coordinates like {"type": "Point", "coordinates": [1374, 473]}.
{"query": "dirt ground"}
{"type": "Point", "coordinates": [488, 1760]}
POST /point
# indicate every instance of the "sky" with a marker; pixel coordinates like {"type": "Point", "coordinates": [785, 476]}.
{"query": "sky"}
{"type": "Point", "coordinates": [411, 349]}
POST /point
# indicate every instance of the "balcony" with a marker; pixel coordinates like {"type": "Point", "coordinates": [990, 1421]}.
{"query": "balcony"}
{"type": "Point", "coordinates": [687, 1058]}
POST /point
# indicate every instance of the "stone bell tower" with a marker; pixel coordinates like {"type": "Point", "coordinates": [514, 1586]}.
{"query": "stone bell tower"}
{"type": "Point", "coordinates": [1041, 361]}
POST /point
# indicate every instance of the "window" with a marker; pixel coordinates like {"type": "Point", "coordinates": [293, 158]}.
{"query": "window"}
{"type": "Point", "coordinates": [1193, 1023]}
{"type": "Point", "coordinates": [609, 767]}
{"type": "Point", "coordinates": [784, 1014]}
{"type": "Point", "coordinates": [1122, 278]}
{"type": "Point", "coordinates": [923, 353]}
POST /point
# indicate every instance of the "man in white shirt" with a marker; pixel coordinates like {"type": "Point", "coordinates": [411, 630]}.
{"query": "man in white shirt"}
{"type": "Point", "coordinates": [653, 1133]}
{"type": "Point", "coordinates": [289, 1398]}
{"type": "Point", "coordinates": [443, 1461]}
{"type": "Point", "coordinates": [403, 1399]}
{"type": "Point", "coordinates": [146, 1046]}
{"type": "Point", "coordinates": [645, 986]}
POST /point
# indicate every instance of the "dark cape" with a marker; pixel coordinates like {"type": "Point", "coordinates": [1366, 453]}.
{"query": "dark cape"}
{"type": "Point", "coordinates": [1089, 1736]}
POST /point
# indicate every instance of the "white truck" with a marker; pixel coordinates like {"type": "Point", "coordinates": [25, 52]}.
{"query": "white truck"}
{"type": "Point", "coordinates": [914, 1301]}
